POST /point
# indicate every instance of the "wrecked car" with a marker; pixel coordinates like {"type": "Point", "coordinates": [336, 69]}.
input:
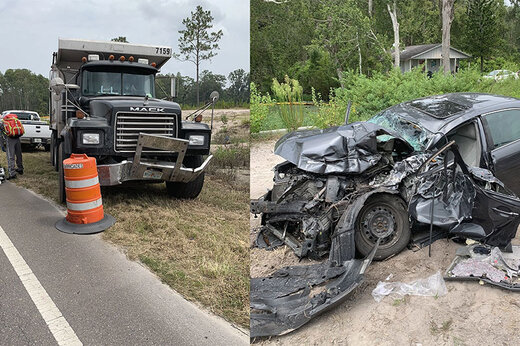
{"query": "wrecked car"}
{"type": "Point", "coordinates": [419, 171]}
{"type": "Point", "coordinates": [328, 170]}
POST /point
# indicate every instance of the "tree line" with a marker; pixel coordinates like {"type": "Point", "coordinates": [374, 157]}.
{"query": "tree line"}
{"type": "Point", "coordinates": [316, 41]}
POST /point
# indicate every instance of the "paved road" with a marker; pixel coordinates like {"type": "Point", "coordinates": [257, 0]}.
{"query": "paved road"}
{"type": "Point", "coordinates": [104, 298]}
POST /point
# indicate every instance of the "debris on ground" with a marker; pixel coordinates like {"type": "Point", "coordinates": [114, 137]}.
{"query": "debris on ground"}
{"type": "Point", "coordinates": [432, 286]}
{"type": "Point", "coordinates": [487, 264]}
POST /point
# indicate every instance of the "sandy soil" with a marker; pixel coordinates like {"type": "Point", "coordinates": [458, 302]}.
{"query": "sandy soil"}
{"type": "Point", "coordinates": [234, 115]}
{"type": "Point", "coordinates": [468, 314]}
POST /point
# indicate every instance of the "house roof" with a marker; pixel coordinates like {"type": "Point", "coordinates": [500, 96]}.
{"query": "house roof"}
{"type": "Point", "coordinates": [411, 51]}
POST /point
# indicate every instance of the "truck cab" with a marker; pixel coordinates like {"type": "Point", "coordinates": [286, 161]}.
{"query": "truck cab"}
{"type": "Point", "coordinates": [103, 104]}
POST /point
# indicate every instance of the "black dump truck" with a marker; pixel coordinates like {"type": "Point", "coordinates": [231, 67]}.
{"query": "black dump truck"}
{"type": "Point", "coordinates": [102, 103]}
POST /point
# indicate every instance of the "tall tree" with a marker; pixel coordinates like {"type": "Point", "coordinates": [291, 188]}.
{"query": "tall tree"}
{"type": "Point", "coordinates": [119, 39]}
{"type": "Point", "coordinates": [447, 19]}
{"type": "Point", "coordinates": [239, 86]}
{"type": "Point", "coordinates": [482, 28]}
{"type": "Point", "coordinates": [395, 24]}
{"type": "Point", "coordinates": [197, 43]}
{"type": "Point", "coordinates": [344, 29]}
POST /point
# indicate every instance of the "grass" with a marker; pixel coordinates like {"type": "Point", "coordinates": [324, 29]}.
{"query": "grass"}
{"type": "Point", "coordinates": [443, 328]}
{"type": "Point", "coordinates": [274, 120]}
{"type": "Point", "coordinates": [199, 247]}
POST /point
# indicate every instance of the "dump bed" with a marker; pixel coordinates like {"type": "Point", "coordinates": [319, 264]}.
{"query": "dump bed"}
{"type": "Point", "coordinates": [70, 52]}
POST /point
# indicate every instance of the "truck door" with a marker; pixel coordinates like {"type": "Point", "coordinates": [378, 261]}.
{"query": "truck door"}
{"type": "Point", "coordinates": [503, 134]}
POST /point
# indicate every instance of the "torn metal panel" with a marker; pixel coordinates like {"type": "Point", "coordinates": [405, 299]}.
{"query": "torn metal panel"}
{"type": "Point", "coordinates": [351, 148]}
{"type": "Point", "coordinates": [452, 200]}
{"type": "Point", "coordinates": [292, 296]}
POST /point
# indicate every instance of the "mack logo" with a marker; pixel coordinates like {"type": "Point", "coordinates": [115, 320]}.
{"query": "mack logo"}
{"type": "Point", "coordinates": [147, 109]}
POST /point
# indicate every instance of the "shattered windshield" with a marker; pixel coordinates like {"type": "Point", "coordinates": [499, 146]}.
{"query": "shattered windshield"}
{"type": "Point", "coordinates": [417, 136]}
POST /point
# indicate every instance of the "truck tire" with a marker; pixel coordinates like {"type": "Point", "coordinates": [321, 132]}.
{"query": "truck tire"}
{"type": "Point", "coordinates": [187, 190]}
{"type": "Point", "coordinates": [61, 177]}
{"type": "Point", "coordinates": [384, 216]}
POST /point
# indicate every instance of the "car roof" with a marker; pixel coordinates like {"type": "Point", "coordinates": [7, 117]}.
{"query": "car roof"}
{"type": "Point", "coordinates": [19, 110]}
{"type": "Point", "coordinates": [441, 113]}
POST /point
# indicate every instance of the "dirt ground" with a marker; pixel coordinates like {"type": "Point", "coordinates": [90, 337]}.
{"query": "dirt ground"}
{"type": "Point", "coordinates": [468, 314]}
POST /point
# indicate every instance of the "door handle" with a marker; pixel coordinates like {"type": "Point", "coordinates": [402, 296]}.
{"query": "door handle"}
{"type": "Point", "coordinates": [508, 213]}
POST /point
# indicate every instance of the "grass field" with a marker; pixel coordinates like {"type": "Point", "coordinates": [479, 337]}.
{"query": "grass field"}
{"type": "Point", "coordinates": [200, 248]}
{"type": "Point", "coordinates": [274, 121]}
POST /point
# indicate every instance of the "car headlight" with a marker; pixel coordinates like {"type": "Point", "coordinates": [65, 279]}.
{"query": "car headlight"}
{"type": "Point", "coordinates": [196, 139]}
{"type": "Point", "coordinates": [90, 138]}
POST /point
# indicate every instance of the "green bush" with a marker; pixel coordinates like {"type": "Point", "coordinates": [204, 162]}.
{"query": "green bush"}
{"type": "Point", "coordinates": [328, 113]}
{"type": "Point", "coordinates": [289, 96]}
{"type": "Point", "coordinates": [233, 156]}
{"type": "Point", "coordinates": [259, 109]}
{"type": "Point", "coordinates": [369, 96]}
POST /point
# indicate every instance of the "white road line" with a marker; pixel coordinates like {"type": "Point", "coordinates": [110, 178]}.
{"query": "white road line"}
{"type": "Point", "coordinates": [52, 316]}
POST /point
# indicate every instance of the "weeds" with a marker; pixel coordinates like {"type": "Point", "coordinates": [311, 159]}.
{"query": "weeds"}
{"type": "Point", "coordinates": [444, 328]}
{"type": "Point", "coordinates": [289, 96]}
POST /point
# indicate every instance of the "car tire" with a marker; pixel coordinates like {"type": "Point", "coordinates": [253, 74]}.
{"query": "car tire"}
{"type": "Point", "coordinates": [187, 190]}
{"type": "Point", "coordinates": [62, 196]}
{"type": "Point", "coordinates": [384, 216]}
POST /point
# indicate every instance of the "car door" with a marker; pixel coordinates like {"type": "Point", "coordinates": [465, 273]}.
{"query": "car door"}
{"type": "Point", "coordinates": [503, 136]}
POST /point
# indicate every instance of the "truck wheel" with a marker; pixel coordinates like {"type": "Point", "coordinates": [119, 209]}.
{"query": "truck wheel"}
{"type": "Point", "coordinates": [386, 217]}
{"type": "Point", "coordinates": [187, 190]}
{"type": "Point", "coordinates": [61, 190]}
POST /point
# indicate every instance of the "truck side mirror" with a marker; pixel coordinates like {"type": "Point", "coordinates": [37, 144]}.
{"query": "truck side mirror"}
{"type": "Point", "coordinates": [57, 85]}
{"type": "Point", "coordinates": [213, 97]}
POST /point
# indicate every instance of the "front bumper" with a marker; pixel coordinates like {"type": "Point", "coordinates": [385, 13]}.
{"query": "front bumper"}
{"type": "Point", "coordinates": [33, 140]}
{"type": "Point", "coordinates": [152, 170]}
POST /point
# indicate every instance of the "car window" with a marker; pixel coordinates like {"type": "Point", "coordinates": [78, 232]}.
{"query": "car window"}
{"type": "Point", "coordinates": [504, 126]}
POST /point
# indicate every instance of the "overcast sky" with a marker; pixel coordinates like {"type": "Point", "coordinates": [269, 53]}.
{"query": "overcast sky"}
{"type": "Point", "coordinates": [29, 29]}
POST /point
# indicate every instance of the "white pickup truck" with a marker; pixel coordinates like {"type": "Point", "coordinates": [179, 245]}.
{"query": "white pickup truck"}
{"type": "Point", "coordinates": [37, 132]}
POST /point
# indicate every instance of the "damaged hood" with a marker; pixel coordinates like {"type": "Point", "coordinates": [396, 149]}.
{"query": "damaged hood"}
{"type": "Point", "coordinates": [351, 148]}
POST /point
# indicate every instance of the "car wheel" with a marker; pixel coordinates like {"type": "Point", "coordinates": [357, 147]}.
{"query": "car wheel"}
{"type": "Point", "coordinates": [187, 190]}
{"type": "Point", "coordinates": [386, 217]}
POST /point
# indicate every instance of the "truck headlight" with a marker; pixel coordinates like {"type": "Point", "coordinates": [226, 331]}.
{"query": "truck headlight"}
{"type": "Point", "coordinates": [90, 138]}
{"type": "Point", "coordinates": [196, 140]}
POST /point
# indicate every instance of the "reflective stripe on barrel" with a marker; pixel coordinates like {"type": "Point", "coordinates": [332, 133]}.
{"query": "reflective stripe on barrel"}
{"type": "Point", "coordinates": [76, 184]}
{"type": "Point", "coordinates": [84, 203]}
{"type": "Point", "coordinates": [84, 206]}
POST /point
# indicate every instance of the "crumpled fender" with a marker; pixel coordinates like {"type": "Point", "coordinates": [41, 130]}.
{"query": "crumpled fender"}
{"type": "Point", "coordinates": [351, 148]}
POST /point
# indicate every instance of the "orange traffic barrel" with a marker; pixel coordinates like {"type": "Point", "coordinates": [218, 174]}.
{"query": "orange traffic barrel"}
{"type": "Point", "coordinates": [84, 203]}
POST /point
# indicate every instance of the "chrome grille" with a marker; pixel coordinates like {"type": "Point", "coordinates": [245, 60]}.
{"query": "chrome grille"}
{"type": "Point", "coordinates": [129, 125]}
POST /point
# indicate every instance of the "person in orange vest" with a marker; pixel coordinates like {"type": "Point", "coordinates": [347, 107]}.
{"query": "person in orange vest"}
{"type": "Point", "coordinates": [12, 129]}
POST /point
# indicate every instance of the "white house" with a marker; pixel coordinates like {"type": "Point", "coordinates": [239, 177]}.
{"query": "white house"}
{"type": "Point", "coordinates": [430, 56]}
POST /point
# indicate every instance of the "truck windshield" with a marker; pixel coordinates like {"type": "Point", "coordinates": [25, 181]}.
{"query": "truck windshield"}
{"type": "Point", "coordinates": [417, 136]}
{"type": "Point", "coordinates": [97, 83]}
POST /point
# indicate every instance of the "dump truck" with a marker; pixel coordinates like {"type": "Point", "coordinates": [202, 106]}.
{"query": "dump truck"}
{"type": "Point", "coordinates": [103, 104]}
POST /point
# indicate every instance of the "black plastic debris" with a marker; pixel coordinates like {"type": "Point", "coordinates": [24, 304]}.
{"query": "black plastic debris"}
{"type": "Point", "coordinates": [294, 295]}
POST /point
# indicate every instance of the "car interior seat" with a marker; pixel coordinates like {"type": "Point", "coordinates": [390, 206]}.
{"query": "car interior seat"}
{"type": "Point", "coordinates": [469, 144]}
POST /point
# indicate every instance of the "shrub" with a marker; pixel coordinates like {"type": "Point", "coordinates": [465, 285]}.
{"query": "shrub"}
{"type": "Point", "coordinates": [259, 109]}
{"type": "Point", "coordinates": [289, 96]}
